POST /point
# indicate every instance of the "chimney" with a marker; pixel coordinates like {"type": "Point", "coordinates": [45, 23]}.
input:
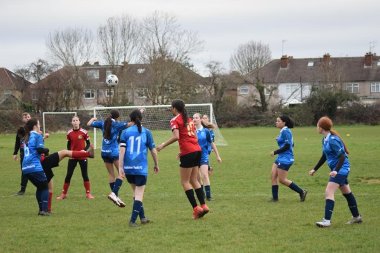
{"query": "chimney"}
{"type": "Point", "coordinates": [86, 63]}
{"type": "Point", "coordinates": [368, 58]}
{"type": "Point", "coordinates": [284, 61]}
{"type": "Point", "coordinates": [326, 58]}
{"type": "Point", "coordinates": [96, 63]}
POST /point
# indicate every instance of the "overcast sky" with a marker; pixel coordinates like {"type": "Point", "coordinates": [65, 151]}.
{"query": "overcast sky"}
{"type": "Point", "coordinates": [309, 28]}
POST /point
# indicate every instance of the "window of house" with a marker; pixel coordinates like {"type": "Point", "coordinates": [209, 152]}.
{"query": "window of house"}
{"type": "Point", "coordinates": [310, 64]}
{"type": "Point", "coordinates": [140, 70]}
{"type": "Point", "coordinates": [93, 74]}
{"type": "Point", "coordinates": [375, 87]}
{"type": "Point", "coordinates": [89, 94]}
{"type": "Point", "coordinates": [7, 92]}
{"type": "Point", "coordinates": [291, 88]}
{"type": "Point", "coordinates": [352, 87]}
{"type": "Point", "coordinates": [268, 90]}
{"type": "Point", "coordinates": [109, 93]}
{"type": "Point", "coordinates": [34, 96]}
{"type": "Point", "coordinates": [244, 90]}
{"type": "Point", "coordinates": [141, 92]}
{"type": "Point", "coordinates": [108, 72]}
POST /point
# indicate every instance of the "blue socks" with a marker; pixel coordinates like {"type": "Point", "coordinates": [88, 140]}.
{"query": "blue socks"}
{"type": "Point", "coordinates": [208, 191]}
{"type": "Point", "coordinates": [117, 186]}
{"type": "Point", "coordinates": [295, 188]}
{"type": "Point", "coordinates": [275, 192]}
{"type": "Point", "coordinates": [329, 208]}
{"type": "Point", "coordinates": [351, 201]}
{"type": "Point", "coordinates": [111, 185]}
{"type": "Point", "coordinates": [137, 205]}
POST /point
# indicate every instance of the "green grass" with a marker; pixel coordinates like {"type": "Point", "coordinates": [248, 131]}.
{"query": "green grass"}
{"type": "Point", "coordinates": [241, 218]}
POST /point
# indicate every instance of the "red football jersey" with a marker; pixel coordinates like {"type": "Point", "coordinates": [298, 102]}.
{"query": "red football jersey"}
{"type": "Point", "coordinates": [77, 139]}
{"type": "Point", "coordinates": [188, 142]}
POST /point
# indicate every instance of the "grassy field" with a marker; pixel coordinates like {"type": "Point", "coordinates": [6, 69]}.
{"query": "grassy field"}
{"type": "Point", "coordinates": [241, 218]}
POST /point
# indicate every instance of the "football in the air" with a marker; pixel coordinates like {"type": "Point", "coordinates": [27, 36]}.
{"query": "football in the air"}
{"type": "Point", "coordinates": [112, 80]}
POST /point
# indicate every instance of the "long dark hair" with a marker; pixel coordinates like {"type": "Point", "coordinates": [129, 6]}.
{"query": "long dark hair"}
{"type": "Point", "coordinates": [29, 127]}
{"type": "Point", "coordinates": [179, 105]}
{"type": "Point", "coordinates": [108, 123]}
{"type": "Point", "coordinates": [136, 117]}
{"type": "Point", "coordinates": [288, 121]}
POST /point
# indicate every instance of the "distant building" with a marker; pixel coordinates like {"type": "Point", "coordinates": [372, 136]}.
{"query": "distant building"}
{"type": "Point", "coordinates": [291, 79]}
{"type": "Point", "coordinates": [12, 89]}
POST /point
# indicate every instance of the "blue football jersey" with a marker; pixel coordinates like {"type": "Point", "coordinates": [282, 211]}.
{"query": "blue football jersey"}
{"type": "Point", "coordinates": [285, 137]}
{"type": "Point", "coordinates": [110, 147]}
{"type": "Point", "coordinates": [136, 150]}
{"type": "Point", "coordinates": [31, 162]}
{"type": "Point", "coordinates": [333, 148]}
{"type": "Point", "coordinates": [204, 139]}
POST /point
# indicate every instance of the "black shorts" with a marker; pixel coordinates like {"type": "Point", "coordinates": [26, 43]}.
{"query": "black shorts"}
{"type": "Point", "coordinates": [191, 160]}
{"type": "Point", "coordinates": [138, 180]}
{"type": "Point", "coordinates": [48, 163]}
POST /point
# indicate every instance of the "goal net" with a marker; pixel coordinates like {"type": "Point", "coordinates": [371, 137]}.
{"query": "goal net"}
{"type": "Point", "coordinates": [157, 119]}
{"type": "Point", "coordinates": [57, 121]}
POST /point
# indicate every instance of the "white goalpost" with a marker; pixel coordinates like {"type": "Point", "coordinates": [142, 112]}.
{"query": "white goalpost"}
{"type": "Point", "coordinates": [157, 118]}
{"type": "Point", "coordinates": [54, 113]}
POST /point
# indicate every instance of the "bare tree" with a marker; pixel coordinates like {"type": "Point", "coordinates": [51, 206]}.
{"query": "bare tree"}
{"type": "Point", "coordinates": [37, 70]}
{"type": "Point", "coordinates": [216, 83]}
{"type": "Point", "coordinates": [250, 56]}
{"type": "Point", "coordinates": [119, 39]}
{"type": "Point", "coordinates": [71, 47]}
{"type": "Point", "coordinates": [166, 47]}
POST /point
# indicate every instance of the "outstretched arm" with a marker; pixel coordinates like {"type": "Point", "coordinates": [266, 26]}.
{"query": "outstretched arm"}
{"type": "Point", "coordinates": [216, 152]}
{"type": "Point", "coordinates": [321, 161]}
{"type": "Point", "coordinates": [90, 121]}
{"type": "Point", "coordinates": [174, 138]}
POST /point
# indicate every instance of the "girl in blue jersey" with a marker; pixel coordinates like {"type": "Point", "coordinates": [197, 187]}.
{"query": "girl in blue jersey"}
{"type": "Point", "coordinates": [335, 153]}
{"type": "Point", "coordinates": [206, 143]}
{"type": "Point", "coordinates": [133, 162]}
{"type": "Point", "coordinates": [206, 121]}
{"type": "Point", "coordinates": [31, 165]}
{"type": "Point", "coordinates": [111, 129]}
{"type": "Point", "coordinates": [285, 159]}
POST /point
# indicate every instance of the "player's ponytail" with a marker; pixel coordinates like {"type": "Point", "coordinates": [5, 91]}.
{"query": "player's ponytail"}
{"type": "Point", "coordinates": [326, 124]}
{"type": "Point", "coordinates": [179, 105]}
{"type": "Point", "coordinates": [29, 125]}
{"type": "Point", "coordinates": [288, 121]}
{"type": "Point", "coordinates": [108, 124]}
{"type": "Point", "coordinates": [136, 117]}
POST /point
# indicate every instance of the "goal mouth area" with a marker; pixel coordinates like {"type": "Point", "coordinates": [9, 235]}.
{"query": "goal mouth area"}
{"type": "Point", "coordinates": [157, 119]}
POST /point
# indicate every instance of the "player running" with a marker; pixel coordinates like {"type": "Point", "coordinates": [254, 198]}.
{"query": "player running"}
{"type": "Point", "coordinates": [335, 153]}
{"type": "Point", "coordinates": [285, 159]}
{"type": "Point", "coordinates": [111, 129]}
{"type": "Point", "coordinates": [184, 132]}
{"type": "Point", "coordinates": [77, 140]}
{"type": "Point", "coordinates": [133, 162]}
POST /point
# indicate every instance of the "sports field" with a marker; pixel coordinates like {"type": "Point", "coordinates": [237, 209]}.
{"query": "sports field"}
{"type": "Point", "coordinates": [241, 218]}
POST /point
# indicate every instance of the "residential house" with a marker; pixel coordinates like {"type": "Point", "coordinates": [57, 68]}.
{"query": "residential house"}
{"type": "Point", "coordinates": [12, 88]}
{"type": "Point", "coordinates": [290, 80]}
{"type": "Point", "coordinates": [84, 87]}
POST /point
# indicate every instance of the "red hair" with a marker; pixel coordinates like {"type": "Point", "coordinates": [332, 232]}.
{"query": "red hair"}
{"type": "Point", "coordinates": [326, 124]}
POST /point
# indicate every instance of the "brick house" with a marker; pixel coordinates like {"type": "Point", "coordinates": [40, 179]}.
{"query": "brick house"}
{"type": "Point", "coordinates": [12, 89]}
{"type": "Point", "coordinates": [84, 87]}
{"type": "Point", "coordinates": [292, 79]}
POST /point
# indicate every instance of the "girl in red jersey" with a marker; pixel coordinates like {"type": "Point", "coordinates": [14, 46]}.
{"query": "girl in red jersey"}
{"type": "Point", "coordinates": [77, 140]}
{"type": "Point", "coordinates": [183, 131]}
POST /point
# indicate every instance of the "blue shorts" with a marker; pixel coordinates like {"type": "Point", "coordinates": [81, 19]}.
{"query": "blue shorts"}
{"type": "Point", "coordinates": [108, 158]}
{"type": "Point", "coordinates": [138, 180]}
{"type": "Point", "coordinates": [204, 158]}
{"type": "Point", "coordinates": [283, 166]}
{"type": "Point", "coordinates": [38, 179]}
{"type": "Point", "coordinates": [339, 179]}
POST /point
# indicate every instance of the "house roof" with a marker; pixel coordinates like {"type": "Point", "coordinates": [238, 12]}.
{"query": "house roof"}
{"type": "Point", "coordinates": [10, 80]}
{"type": "Point", "coordinates": [344, 69]}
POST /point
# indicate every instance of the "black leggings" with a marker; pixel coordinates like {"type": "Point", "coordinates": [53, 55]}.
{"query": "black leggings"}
{"type": "Point", "coordinates": [71, 167]}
